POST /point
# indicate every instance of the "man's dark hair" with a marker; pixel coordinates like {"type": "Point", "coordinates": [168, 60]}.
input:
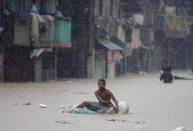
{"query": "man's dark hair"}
{"type": "Point", "coordinates": [102, 80]}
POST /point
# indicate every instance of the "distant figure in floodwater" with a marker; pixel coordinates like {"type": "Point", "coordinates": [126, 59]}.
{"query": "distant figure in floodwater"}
{"type": "Point", "coordinates": [166, 76]}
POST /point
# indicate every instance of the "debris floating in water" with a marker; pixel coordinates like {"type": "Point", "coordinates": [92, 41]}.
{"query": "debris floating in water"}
{"type": "Point", "coordinates": [27, 104]}
{"type": "Point", "coordinates": [43, 106]}
{"type": "Point", "coordinates": [63, 122]}
{"type": "Point", "coordinates": [179, 129]}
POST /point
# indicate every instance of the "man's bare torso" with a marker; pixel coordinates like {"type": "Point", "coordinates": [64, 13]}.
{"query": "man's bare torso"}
{"type": "Point", "coordinates": [105, 94]}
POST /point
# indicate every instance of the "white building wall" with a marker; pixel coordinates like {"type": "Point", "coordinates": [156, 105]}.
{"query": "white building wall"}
{"type": "Point", "coordinates": [121, 33]}
{"type": "Point", "coordinates": [111, 69]}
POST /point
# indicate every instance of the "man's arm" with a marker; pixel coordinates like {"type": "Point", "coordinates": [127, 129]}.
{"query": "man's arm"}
{"type": "Point", "coordinates": [114, 100]}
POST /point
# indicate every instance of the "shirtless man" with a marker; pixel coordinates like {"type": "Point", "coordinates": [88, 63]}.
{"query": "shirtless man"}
{"type": "Point", "coordinates": [104, 97]}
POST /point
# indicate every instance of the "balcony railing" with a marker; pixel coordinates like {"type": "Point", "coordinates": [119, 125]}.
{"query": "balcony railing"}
{"type": "Point", "coordinates": [60, 33]}
{"type": "Point", "coordinates": [173, 26]}
{"type": "Point", "coordinates": [43, 31]}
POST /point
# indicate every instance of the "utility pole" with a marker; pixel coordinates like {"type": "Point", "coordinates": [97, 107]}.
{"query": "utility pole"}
{"type": "Point", "coordinates": [55, 63]}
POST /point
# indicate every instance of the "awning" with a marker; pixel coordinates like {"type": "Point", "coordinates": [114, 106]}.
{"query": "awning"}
{"type": "Point", "coordinates": [37, 52]}
{"type": "Point", "coordinates": [144, 47]}
{"type": "Point", "coordinates": [108, 45]}
{"type": "Point", "coordinates": [118, 42]}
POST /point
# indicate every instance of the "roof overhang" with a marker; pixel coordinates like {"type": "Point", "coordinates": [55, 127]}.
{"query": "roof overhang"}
{"type": "Point", "coordinates": [109, 45]}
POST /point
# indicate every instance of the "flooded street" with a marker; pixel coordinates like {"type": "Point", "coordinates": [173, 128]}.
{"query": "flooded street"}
{"type": "Point", "coordinates": [52, 53]}
{"type": "Point", "coordinates": [154, 106]}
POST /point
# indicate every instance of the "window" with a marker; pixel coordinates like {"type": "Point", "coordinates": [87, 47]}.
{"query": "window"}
{"type": "Point", "coordinates": [67, 7]}
{"type": "Point", "coordinates": [46, 6]}
{"type": "Point", "coordinates": [1, 10]}
{"type": "Point", "coordinates": [21, 7]}
{"type": "Point", "coordinates": [100, 7]}
{"type": "Point", "coordinates": [111, 8]}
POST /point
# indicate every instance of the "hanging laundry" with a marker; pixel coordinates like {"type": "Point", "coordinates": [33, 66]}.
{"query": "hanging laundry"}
{"type": "Point", "coordinates": [60, 34]}
{"type": "Point", "coordinates": [21, 32]}
{"type": "Point", "coordinates": [36, 19]}
{"type": "Point", "coordinates": [136, 42]}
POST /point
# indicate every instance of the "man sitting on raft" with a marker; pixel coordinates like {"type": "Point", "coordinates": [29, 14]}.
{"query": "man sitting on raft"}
{"type": "Point", "coordinates": [104, 97]}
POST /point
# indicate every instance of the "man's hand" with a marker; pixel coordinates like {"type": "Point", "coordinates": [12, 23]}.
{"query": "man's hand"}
{"type": "Point", "coordinates": [116, 110]}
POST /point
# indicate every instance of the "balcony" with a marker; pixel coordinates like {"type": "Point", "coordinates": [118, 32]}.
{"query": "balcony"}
{"type": "Point", "coordinates": [43, 31]}
{"type": "Point", "coordinates": [173, 26]}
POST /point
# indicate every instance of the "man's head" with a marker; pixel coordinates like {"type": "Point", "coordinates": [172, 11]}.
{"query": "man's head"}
{"type": "Point", "coordinates": [101, 84]}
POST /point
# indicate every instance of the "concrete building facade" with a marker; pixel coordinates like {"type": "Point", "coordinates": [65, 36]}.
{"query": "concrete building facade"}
{"type": "Point", "coordinates": [93, 38]}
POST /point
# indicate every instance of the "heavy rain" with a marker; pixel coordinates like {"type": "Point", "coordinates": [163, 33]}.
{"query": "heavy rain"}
{"type": "Point", "coordinates": [100, 65]}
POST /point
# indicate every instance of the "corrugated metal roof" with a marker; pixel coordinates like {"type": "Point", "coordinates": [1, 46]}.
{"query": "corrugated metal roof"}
{"type": "Point", "coordinates": [109, 45]}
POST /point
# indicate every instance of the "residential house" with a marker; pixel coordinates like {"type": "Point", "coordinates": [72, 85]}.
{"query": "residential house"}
{"type": "Point", "coordinates": [1, 51]}
{"type": "Point", "coordinates": [171, 26]}
{"type": "Point", "coordinates": [130, 31]}
{"type": "Point", "coordinates": [164, 36]}
{"type": "Point", "coordinates": [109, 54]}
{"type": "Point", "coordinates": [34, 30]}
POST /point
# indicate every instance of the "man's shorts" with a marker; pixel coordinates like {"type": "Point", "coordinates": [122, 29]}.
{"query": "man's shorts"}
{"type": "Point", "coordinates": [95, 106]}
